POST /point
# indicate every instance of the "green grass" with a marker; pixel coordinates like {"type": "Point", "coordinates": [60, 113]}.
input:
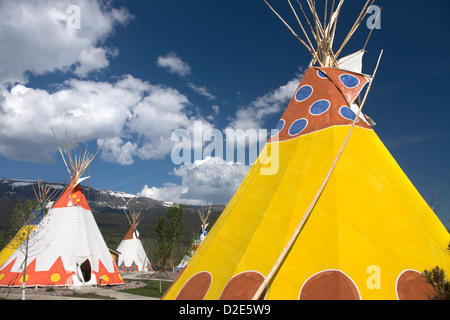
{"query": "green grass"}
{"type": "Point", "coordinates": [151, 289]}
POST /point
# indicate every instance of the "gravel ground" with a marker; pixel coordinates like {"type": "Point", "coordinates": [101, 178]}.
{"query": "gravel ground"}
{"type": "Point", "coordinates": [59, 291]}
{"type": "Point", "coordinates": [69, 292]}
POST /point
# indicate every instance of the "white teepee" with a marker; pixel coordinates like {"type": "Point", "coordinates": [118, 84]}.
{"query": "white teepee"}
{"type": "Point", "coordinates": [132, 256]}
{"type": "Point", "coordinates": [66, 248]}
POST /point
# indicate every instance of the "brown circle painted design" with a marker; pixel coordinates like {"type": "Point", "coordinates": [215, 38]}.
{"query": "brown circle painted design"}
{"type": "Point", "coordinates": [243, 286]}
{"type": "Point", "coordinates": [329, 285]}
{"type": "Point", "coordinates": [196, 287]}
{"type": "Point", "coordinates": [411, 285]}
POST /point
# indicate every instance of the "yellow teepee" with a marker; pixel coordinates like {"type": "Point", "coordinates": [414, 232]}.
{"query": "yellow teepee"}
{"type": "Point", "coordinates": [339, 219]}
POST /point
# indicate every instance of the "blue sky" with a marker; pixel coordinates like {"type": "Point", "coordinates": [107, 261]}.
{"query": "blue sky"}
{"type": "Point", "coordinates": [135, 71]}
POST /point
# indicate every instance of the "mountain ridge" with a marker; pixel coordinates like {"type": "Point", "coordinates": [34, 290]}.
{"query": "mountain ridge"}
{"type": "Point", "coordinates": [107, 207]}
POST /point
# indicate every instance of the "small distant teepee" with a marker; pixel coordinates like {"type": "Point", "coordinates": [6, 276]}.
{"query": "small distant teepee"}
{"type": "Point", "coordinates": [67, 248]}
{"type": "Point", "coordinates": [203, 213]}
{"type": "Point", "coordinates": [132, 256]}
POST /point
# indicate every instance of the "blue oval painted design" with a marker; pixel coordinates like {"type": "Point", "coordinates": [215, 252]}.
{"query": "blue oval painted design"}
{"type": "Point", "coordinates": [347, 113]}
{"type": "Point", "coordinates": [321, 74]}
{"type": "Point", "coordinates": [297, 126]}
{"type": "Point", "coordinates": [303, 93]}
{"type": "Point", "coordinates": [319, 107]}
{"type": "Point", "coordinates": [349, 81]}
{"type": "Point", "coordinates": [278, 127]}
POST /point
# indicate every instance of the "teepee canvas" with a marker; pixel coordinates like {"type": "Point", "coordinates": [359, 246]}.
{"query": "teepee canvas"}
{"type": "Point", "coordinates": [43, 205]}
{"type": "Point", "coordinates": [339, 219]}
{"type": "Point", "coordinates": [66, 248]}
{"type": "Point", "coordinates": [132, 256]}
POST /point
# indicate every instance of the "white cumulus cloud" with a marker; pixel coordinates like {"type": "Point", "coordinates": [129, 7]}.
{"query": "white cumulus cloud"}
{"type": "Point", "coordinates": [117, 151]}
{"type": "Point", "coordinates": [135, 118]}
{"type": "Point", "coordinates": [87, 109]}
{"type": "Point", "coordinates": [211, 180]}
{"type": "Point", "coordinates": [254, 114]}
{"type": "Point", "coordinates": [36, 39]}
{"type": "Point", "coordinates": [202, 90]}
{"type": "Point", "coordinates": [174, 64]}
